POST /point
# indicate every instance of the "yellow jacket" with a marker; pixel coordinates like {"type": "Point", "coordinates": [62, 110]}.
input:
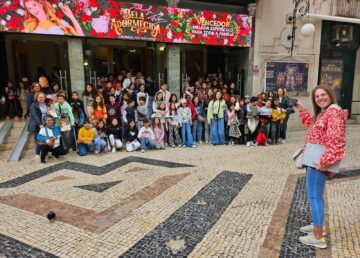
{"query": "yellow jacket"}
{"type": "Point", "coordinates": [86, 135]}
{"type": "Point", "coordinates": [277, 115]}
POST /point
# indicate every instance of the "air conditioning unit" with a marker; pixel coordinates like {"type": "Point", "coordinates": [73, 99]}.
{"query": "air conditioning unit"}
{"type": "Point", "coordinates": [342, 33]}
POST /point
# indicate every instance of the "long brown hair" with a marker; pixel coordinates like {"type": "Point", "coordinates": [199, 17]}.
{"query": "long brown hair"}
{"type": "Point", "coordinates": [96, 105]}
{"type": "Point", "coordinates": [329, 91]}
{"type": "Point", "coordinates": [31, 22]}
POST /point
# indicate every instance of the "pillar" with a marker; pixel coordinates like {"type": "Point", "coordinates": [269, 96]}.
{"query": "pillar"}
{"type": "Point", "coordinates": [76, 64]}
{"type": "Point", "coordinates": [250, 87]}
{"type": "Point", "coordinates": [355, 109]}
{"type": "Point", "coordinates": [173, 68]}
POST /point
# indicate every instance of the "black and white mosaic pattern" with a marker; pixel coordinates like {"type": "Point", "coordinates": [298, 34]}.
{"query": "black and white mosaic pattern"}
{"type": "Point", "coordinates": [10, 247]}
{"type": "Point", "coordinates": [348, 173]}
{"type": "Point", "coordinates": [99, 188]}
{"type": "Point", "coordinates": [88, 169]}
{"type": "Point", "coordinates": [299, 215]}
{"type": "Point", "coordinates": [193, 220]}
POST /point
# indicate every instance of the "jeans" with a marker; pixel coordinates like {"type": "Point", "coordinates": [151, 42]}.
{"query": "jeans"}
{"type": "Point", "coordinates": [100, 145]}
{"type": "Point", "coordinates": [37, 145]}
{"type": "Point", "coordinates": [115, 142]}
{"type": "Point", "coordinates": [197, 130]}
{"type": "Point", "coordinates": [315, 186]}
{"type": "Point", "coordinates": [217, 131]}
{"type": "Point", "coordinates": [207, 130]}
{"type": "Point", "coordinates": [146, 143]}
{"type": "Point", "coordinates": [186, 135]}
{"type": "Point", "coordinates": [84, 149]}
{"type": "Point", "coordinates": [283, 128]}
{"type": "Point", "coordinates": [275, 131]}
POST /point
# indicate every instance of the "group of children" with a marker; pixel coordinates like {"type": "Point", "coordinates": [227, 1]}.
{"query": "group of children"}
{"type": "Point", "coordinates": [109, 118]}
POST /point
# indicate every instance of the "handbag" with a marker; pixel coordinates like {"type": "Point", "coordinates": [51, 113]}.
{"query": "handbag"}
{"type": "Point", "coordinates": [298, 158]}
{"type": "Point", "coordinates": [312, 156]}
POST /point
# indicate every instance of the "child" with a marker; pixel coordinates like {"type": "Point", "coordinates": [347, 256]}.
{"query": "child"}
{"type": "Point", "coordinates": [261, 138]}
{"type": "Point", "coordinates": [113, 110]}
{"type": "Point", "coordinates": [233, 125]}
{"type": "Point", "coordinates": [276, 119]}
{"type": "Point", "coordinates": [157, 101]}
{"type": "Point", "coordinates": [12, 104]}
{"type": "Point", "coordinates": [162, 114]}
{"type": "Point", "coordinates": [173, 126]}
{"type": "Point", "coordinates": [265, 112]}
{"type": "Point", "coordinates": [130, 112]}
{"type": "Point", "coordinates": [131, 137]}
{"type": "Point", "coordinates": [241, 114]}
{"type": "Point", "coordinates": [142, 93]}
{"type": "Point", "coordinates": [65, 119]}
{"type": "Point", "coordinates": [115, 135]}
{"type": "Point", "coordinates": [101, 138]}
{"type": "Point", "coordinates": [146, 136]}
{"type": "Point", "coordinates": [184, 116]}
{"type": "Point", "coordinates": [49, 139]}
{"type": "Point", "coordinates": [142, 111]}
{"type": "Point", "coordinates": [79, 116]}
{"type": "Point", "coordinates": [85, 139]}
{"type": "Point", "coordinates": [253, 121]}
{"type": "Point", "coordinates": [158, 133]}
{"type": "Point", "coordinates": [98, 110]}
{"type": "Point", "coordinates": [199, 120]}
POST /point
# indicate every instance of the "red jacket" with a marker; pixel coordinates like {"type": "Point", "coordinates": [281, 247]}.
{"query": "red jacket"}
{"type": "Point", "coordinates": [193, 111]}
{"type": "Point", "coordinates": [328, 130]}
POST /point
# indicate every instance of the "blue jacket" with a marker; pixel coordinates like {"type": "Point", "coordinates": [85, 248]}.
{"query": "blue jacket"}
{"type": "Point", "coordinates": [35, 118]}
{"type": "Point", "coordinates": [56, 132]}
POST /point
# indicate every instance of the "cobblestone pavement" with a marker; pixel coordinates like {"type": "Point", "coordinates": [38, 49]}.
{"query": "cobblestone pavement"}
{"type": "Point", "coordinates": [223, 201]}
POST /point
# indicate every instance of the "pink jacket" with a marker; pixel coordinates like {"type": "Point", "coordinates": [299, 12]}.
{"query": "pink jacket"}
{"type": "Point", "coordinates": [231, 117]}
{"type": "Point", "coordinates": [328, 130]}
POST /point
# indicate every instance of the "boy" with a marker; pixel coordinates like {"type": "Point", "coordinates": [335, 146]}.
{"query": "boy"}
{"type": "Point", "coordinates": [85, 139]}
{"type": "Point", "coordinates": [141, 111]}
{"type": "Point", "coordinates": [146, 136]}
{"type": "Point", "coordinates": [79, 116]}
{"type": "Point", "coordinates": [253, 121]}
{"type": "Point", "coordinates": [130, 112]}
{"type": "Point", "coordinates": [113, 110]}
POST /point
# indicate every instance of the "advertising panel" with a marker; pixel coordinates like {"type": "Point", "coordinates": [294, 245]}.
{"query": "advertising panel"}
{"type": "Point", "coordinates": [118, 20]}
{"type": "Point", "coordinates": [331, 74]}
{"type": "Point", "coordinates": [291, 76]}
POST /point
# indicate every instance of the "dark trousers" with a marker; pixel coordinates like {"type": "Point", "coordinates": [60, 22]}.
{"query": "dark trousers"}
{"type": "Point", "coordinates": [45, 149]}
{"type": "Point", "coordinates": [275, 131]}
{"type": "Point", "coordinates": [242, 131]}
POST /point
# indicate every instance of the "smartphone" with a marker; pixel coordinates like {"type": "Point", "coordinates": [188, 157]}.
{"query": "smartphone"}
{"type": "Point", "coordinates": [293, 102]}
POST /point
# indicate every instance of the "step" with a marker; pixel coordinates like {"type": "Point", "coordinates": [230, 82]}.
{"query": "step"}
{"type": "Point", "coordinates": [6, 146]}
{"type": "Point", "coordinates": [11, 139]}
{"type": "Point", "coordinates": [4, 155]}
{"type": "Point", "coordinates": [351, 121]}
{"type": "Point", "coordinates": [19, 124]}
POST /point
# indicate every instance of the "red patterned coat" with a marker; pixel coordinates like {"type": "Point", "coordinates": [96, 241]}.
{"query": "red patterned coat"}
{"type": "Point", "coordinates": [328, 130]}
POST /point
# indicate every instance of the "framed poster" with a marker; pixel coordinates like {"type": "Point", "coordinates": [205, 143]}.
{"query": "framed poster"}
{"type": "Point", "coordinates": [331, 74]}
{"type": "Point", "coordinates": [292, 76]}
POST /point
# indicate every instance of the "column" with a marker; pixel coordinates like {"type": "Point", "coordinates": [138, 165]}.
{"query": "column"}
{"type": "Point", "coordinates": [173, 62]}
{"type": "Point", "coordinates": [355, 109]}
{"type": "Point", "coordinates": [76, 64]}
{"type": "Point", "coordinates": [173, 68]}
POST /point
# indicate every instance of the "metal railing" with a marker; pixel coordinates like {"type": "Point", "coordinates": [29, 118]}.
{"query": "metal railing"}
{"type": "Point", "coordinates": [16, 152]}
{"type": "Point", "coordinates": [5, 130]}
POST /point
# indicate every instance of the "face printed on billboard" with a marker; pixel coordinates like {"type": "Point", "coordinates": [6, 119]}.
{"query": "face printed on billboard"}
{"type": "Point", "coordinates": [118, 20]}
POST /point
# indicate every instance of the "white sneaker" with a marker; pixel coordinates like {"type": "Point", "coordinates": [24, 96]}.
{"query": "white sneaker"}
{"type": "Point", "coordinates": [232, 143]}
{"type": "Point", "coordinates": [206, 142]}
{"type": "Point", "coordinates": [309, 229]}
{"type": "Point", "coordinates": [312, 241]}
{"type": "Point", "coordinates": [200, 142]}
{"type": "Point", "coordinates": [37, 157]}
{"type": "Point", "coordinates": [194, 146]}
{"type": "Point", "coordinates": [256, 144]}
{"type": "Point", "coordinates": [252, 143]}
{"type": "Point", "coordinates": [184, 146]}
{"type": "Point", "coordinates": [113, 150]}
{"type": "Point", "coordinates": [248, 144]}
{"type": "Point", "coordinates": [173, 146]}
{"type": "Point", "coordinates": [142, 151]}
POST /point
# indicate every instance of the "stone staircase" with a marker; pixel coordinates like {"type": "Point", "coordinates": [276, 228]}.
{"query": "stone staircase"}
{"type": "Point", "coordinates": [10, 140]}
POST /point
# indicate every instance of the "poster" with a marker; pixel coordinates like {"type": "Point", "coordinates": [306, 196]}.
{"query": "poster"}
{"type": "Point", "coordinates": [331, 74]}
{"type": "Point", "coordinates": [291, 76]}
{"type": "Point", "coordinates": [118, 20]}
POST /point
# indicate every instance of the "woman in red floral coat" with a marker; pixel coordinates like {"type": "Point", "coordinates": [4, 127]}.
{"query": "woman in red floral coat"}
{"type": "Point", "coordinates": [326, 127]}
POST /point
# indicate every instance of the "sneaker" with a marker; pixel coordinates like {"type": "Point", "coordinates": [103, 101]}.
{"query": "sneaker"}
{"type": "Point", "coordinates": [17, 118]}
{"type": "Point", "coordinates": [252, 143]}
{"type": "Point", "coordinates": [310, 229]}
{"type": "Point", "coordinates": [232, 143]}
{"type": "Point", "coordinates": [184, 146]}
{"type": "Point", "coordinates": [206, 142]}
{"type": "Point", "coordinates": [142, 151]}
{"type": "Point", "coordinates": [256, 144]}
{"type": "Point", "coordinates": [37, 156]}
{"type": "Point", "coordinates": [173, 146]}
{"type": "Point", "coordinates": [200, 142]}
{"type": "Point", "coordinates": [312, 241]}
{"type": "Point", "coordinates": [7, 118]}
{"type": "Point", "coordinates": [283, 141]}
{"type": "Point", "coordinates": [194, 146]}
{"type": "Point", "coordinates": [43, 161]}
{"type": "Point", "coordinates": [113, 150]}
{"type": "Point", "coordinates": [248, 144]}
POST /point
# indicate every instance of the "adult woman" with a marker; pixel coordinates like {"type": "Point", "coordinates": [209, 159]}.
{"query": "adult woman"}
{"type": "Point", "coordinates": [284, 104]}
{"type": "Point", "coordinates": [41, 18]}
{"type": "Point", "coordinates": [37, 112]}
{"type": "Point", "coordinates": [30, 97]}
{"type": "Point", "coordinates": [215, 117]}
{"type": "Point", "coordinates": [327, 128]}
{"type": "Point", "coordinates": [88, 99]}
{"type": "Point", "coordinates": [208, 97]}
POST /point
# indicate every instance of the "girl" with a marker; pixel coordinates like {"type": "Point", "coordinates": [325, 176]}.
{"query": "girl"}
{"type": "Point", "coordinates": [142, 93]}
{"type": "Point", "coordinates": [101, 138]}
{"type": "Point", "coordinates": [115, 135]}
{"type": "Point", "coordinates": [174, 126]}
{"type": "Point", "coordinates": [232, 125]}
{"type": "Point", "coordinates": [198, 121]}
{"type": "Point", "coordinates": [12, 104]}
{"type": "Point", "coordinates": [162, 114]}
{"type": "Point", "coordinates": [131, 91]}
{"type": "Point", "coordinates": [158, 133]}
{"type": "Point", "coordinates": [209, 96]}
{"type": "Point", "coordinates": [98, 110]}
{"type": "Point", "coordinates": [55, 89]}
{"type": "Point", "coordinates": [184, 116]}
{"type": "Point", "coordinates": [131, 137]}
{"type": "Point", "coordinates": [88, 99]}
{"type": "Point", "coordinates": [215, 117]}
{"type": "Point", "coordinates": [35, 87]}
{"type": "Point", "coordinates": [158, 99]}
{"type": "Point", "coordinates": [242, 114]}
{"type": "Point", "coordinates": [173, 99]}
